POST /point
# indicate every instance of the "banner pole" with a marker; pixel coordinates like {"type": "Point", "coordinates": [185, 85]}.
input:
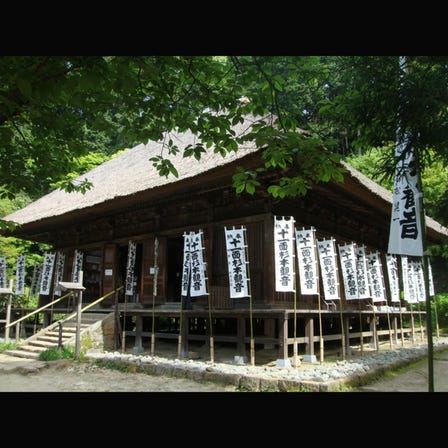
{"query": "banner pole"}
{"type": "Point", "coordinates": [252, 342]}
{"type": "Point", "coordinates": [321, 339]}
{"type": "Point", "coordinates": [154, 294]}
{"type": "Point", "coordinates": [212, 347]}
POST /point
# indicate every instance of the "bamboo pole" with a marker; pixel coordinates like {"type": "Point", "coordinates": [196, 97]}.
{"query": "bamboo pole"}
{"type": "Point", "coordinates": [123, 333]}
{"type": "Point", "coordinates": [321, 339]}
{"type": "Point", "coordinates": [211, 340]}
{"type": "Point", "coordinates": [361, 338]}
{"type": "Point", "coordinates": [375, 333]}
{"type": "Point", "coordinates": [154, 294]}
{"type": "Point", "coordinates": [252, 342]}
{"type": "Point", "coordinates": [343, 350]}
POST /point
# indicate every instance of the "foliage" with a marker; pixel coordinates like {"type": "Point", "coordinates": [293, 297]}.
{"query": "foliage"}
{"type": "Point", "coordinates": [7, 346]}
{"type": "Point", "coordinates": [441, 308]}
{"type": "Point", "coordinates": [54, 353]}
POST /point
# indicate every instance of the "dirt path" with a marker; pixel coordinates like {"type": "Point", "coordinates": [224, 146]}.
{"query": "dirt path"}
{"type": "Point", "coordinates": [85, 377]}
{"type": "Point", "coordinates": [414, 378]}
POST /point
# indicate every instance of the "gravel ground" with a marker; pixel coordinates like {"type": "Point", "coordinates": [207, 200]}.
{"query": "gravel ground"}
{"type": "Point", "coordinates": [168, 374]}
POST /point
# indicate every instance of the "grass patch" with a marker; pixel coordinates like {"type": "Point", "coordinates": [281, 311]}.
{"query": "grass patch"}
{"type": "Point", "coordinates": [7, 346]}
{"type": "Point", "coordinates": [52, 354]}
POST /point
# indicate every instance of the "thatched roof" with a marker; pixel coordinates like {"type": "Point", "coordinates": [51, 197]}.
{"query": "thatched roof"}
{"type": "Point", "coordinates": [131, 172]}
{"type": "Point", "coordinates": [127, 174]}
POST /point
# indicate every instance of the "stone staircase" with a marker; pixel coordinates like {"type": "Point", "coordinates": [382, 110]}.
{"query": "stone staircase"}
{"type": "Point", "coordinates": [49, 336]}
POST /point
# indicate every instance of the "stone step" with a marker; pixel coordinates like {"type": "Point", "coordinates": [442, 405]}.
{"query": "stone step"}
{"type": "Point", "coordinates": [22, 354]}
{"type": "Point", "coordinates": [54, 338]}
{"type": "Point", "coordinates": [33, 348]}
{"type": "Point", "coordinates": [45, 344]}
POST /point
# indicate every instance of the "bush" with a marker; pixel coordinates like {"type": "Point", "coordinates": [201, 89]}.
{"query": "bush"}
{"type": "Point", "coordinates": [52, 354]}
{"type": "Point", "coordinates": [441, 303]}
{"type": "Point", "coordinates": [7, 346]}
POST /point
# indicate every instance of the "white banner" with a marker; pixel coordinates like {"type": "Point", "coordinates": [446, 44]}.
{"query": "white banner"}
{"type": "Point", "coordinates": [77, 265]}
{"type": "Point", "coordinates": [405, 237]}
{"type": "Point", "coordinates": [198, 266]}
{"type": "Point", "coordinates": [130, 265]}
{"type": "Point", "coordinates": [284, 254]}
{"type": "Point", "coordinates": [362, 273]}
{"type": "Point", "coordinates": [419, 280]}
{"type": "Point", "coordinates": [47, 273]}
{"type": "Point", "coordinates": [348, 263]}
{"type": "Point", "coordinates": [186, 265]}
{"type": "Point", "coordinates": [194, 265]}
{"type": "Point", "coordinates": [408, 280]}
{"type": "Point", "coordinates": [307, 260]}
{"type": "Point", "coordinates": [431, 282]}
{"type": "Point", "coordinates": [36, 279]}
{"type": "Point", "coordinates": [237, 263]}
{"type": "Point", "coordinates": [3, 280]}
{"type": "Point", "coordinates": [328, 269]}
{"type": "Point", "coordinates": [376, 277]}
{"type": "Point", "coordinates": [60, 262]}
{"type": "Point", "coordinates": [20, 275]}
{"type": "Point", "coordinates": [392, 273]}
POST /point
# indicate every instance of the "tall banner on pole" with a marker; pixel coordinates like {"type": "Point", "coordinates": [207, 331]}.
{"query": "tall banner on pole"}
{"type": "Point", "coordinates": [376, 277]}
{"type": "Point", "coordinates": [328, 268]}
{"type": "Point", "coordinates": [3, 280]}
{"type": "Point", "coordinates": [406, 230]}
{"type": "Point", "coordinates": [419, 280]}
{"type": "Point", "coordinates": [60, 262]}
{"type": "Point", "coordinates": [36, 279]}
{"type": "Point", "coordinates": [77, 265]}
{"type": "Point", "coordinates": [284, 254]}
{"type": "Point", "coordinates": [20, 275]}
{"type": "Point", "coordinates": [348, 263]}
{"type": "Point", "coordinates": [307, 261]}
{"type": "Point", "coordinates": [237, 263]}
{"type": "Point", "coordinates": [194, 269]}
{"type": "Point", "coordinates": [130, 266]}
{"type": "Point", "coordinates": [362, 273]}
{"type": "Point", "coordinates": [392, 273]}
{"type": "Point", "coordinates": [47, 273]}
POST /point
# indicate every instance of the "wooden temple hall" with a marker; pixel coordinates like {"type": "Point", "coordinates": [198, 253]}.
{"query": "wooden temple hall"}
{"type": "Point", "coordinates": [128, 235]}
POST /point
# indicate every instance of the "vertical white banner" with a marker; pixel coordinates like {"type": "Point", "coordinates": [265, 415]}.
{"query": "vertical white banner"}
{"type": "Point", "coordinates": [392, 274]}
{"type": "Point", "coordinates": [20, 275]}
{"type": "Point", "coordinates": [408, 280]}
{"type": "Point", "coordinates": [431, 282]}
{"type": "Point", "coordinates": [3, 280]}
{"type": "Point", "coordinates": [47, 273]}
{"type": "Point", "coordinates": [198, 285]}
{"type": "Point", "coordinates": [36, 279]}
{"type": "Point", "coordinates": [186, 264]}
{"type": "Point", "coordinates": [376, 278]}
{"type": "Point", "coordinates": [130, 266]}
{"type": "Point", "coordinates": [307, 261]}
{"type": "Point", "coordinates": [405, 236]}
{"type": "Point", "coordinates": [237, 263]}
{"type": "Point", "coordinates": [347, 258]}
{"type": "Point", "coordinates": [284, 254]}
{"type": "Point", "coordinates": [77, 265]}
{"type": "Point", "coordinates": [328, 269]}
{"type": "Point", "coordinates": [362, 272]}
{"type": "Point", "coordinates": [419, 280]}
{"type": "Point", "coordinates": [60, 262]}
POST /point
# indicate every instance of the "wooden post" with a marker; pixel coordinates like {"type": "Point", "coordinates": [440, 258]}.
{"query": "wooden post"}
{"type": "Point", "coordinates": [154, 294]}
{"type": "Point", "coordinates": [138, 345]}
{"type": "Point", "coordinates": [395, 327]}
{"type": "Point", "coordinates": [283, 355]}
{"type": "Point", "coordinates": [8, 311]}
{"type": "Point", "coordinates": [241, 336]}
{"type": "Point", "coordinates": [309, 332]}
{"type": "Point", "coordinates": [78, 318]}
{"type": "Point", "coordinates": [374, 332]}
{"type": "Point", "coordinates": [360, 329]}
{"type": "Point", "coordinates": [345, 330]}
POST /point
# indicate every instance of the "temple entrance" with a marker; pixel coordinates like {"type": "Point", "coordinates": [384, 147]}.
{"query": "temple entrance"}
{"type": "Point", "coordinates": [175, 253]}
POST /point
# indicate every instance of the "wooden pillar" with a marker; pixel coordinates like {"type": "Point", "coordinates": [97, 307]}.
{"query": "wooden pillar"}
{"type": "Point", "coordinates": [240, 357]}
{"type": "Point", "coordinates": [373, 331]}
{"type": "Point", "coordinates": [395, 327]}
{"type": "Point", "coordinates": [348, 350]}
{"type": "Point", "coordinates": [269, 331]}
{"type": "Point", "coordinates": [138, 345]}
{"type": "Point", "coordinates": [309, 346]}
{"type": "Point", "coordinates": [184, 331]}
{"type": "Point", "coordinates": [283, 356]}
